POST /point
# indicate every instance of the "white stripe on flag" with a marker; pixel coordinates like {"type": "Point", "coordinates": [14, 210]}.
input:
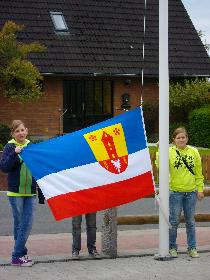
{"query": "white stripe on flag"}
{"type": "Point", "coordinates": [92, 175]}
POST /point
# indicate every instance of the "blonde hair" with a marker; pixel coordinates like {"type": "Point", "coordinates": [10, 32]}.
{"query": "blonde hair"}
{"type": "Point", "coordinates": [179, 130]}
{"type": "Point", "coordinates": [15, 124]}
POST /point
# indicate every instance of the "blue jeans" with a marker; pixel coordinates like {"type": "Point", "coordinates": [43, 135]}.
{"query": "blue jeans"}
{"type": "Point", "coordinates": [91, 232]}
{"type": "Point", "coordinates": [187, 202]}
{"type": "Point", "coordinates": [23, 214]}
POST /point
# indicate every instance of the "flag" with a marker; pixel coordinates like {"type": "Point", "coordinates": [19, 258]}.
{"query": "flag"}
{"type": "Point", "coordinates": [96, 168]}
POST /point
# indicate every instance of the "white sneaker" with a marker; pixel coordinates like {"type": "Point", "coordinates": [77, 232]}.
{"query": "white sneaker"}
{"type": "Point", "coordinates": [28, 259]}
{"type": "Point", "coordinates": [21, 262]}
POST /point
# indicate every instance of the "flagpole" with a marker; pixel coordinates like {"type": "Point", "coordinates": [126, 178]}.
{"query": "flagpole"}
{"type": "Point", "coordinates": [163, 130]}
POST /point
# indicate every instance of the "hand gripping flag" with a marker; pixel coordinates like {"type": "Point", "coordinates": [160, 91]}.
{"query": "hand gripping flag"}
{"type": "Point", "coordinates": [96, 168]}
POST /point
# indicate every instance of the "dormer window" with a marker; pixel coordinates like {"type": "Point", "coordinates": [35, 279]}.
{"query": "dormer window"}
{"type": "Point", "coordinates": [59, 21]}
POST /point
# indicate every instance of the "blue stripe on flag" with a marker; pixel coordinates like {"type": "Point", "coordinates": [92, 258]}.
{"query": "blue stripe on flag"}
{"type": "Point", "coordinates": [72, 150]}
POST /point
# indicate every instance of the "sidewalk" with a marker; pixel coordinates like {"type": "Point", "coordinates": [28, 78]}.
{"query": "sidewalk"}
{"type": "Point", "coordinates": [57, 247]}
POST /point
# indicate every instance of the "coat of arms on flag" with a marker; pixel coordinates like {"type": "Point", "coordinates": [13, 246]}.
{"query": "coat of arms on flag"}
{"type": "Point", "coordinates": [96, 168]}
{"type": "Point", "coordinates": [109, 147]}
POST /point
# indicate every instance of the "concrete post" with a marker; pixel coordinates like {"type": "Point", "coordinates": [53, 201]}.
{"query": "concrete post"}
{"type": "Point", "coordinates": [109, 233]}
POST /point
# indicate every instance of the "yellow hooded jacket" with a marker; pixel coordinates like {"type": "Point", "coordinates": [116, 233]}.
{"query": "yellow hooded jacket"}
{"type": "Point", "coordinates": [181, 179]}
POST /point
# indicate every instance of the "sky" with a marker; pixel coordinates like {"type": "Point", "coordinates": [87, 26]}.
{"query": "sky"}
{"type": "Point", "coordinates": [199, 12]}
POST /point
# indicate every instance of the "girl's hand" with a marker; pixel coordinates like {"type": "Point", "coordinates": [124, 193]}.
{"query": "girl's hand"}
{"type": "Point", "coordinates": [200, 195]}
{"type": "Point", "coordinates": [18, 149]}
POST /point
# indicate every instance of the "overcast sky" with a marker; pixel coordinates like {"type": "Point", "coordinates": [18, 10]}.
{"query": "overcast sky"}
{"type": "Point", "coordinates": [199, 12]}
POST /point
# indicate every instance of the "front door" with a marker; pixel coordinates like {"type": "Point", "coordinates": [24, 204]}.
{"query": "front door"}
{"type": "Point", "coordinates": [87, 103]}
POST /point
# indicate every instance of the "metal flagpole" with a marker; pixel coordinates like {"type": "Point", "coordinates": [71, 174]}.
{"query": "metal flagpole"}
{"type": "Point", "coordinates": [163, 131]}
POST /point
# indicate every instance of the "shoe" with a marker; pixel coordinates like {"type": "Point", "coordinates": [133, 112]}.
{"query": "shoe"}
{"type": "Point", "coordinates": [94, 254]}
{"type": "Point", "coordinates": [28, 259]}
{"type": "Point", "coordinates": [173, 253]}
{"type": "Point", "coordinates": [75, 255]}
{"type": "Point", "coordinates": [21, 262]}
{"type": "Point", "coordinates": [193, 253]}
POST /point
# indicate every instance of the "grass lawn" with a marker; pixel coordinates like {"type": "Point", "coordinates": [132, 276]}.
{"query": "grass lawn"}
{"type": "Point", "coordinates": [202, 151]}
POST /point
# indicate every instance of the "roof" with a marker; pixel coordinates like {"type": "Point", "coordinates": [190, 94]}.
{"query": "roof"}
{"type": "Point", "coordinates": [106, 36]}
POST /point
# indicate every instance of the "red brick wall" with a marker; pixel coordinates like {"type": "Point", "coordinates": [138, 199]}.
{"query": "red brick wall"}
{"type": "Point", "coordinates": [149, 92]}
{"type": "Point", "coordinates": [40, 116]}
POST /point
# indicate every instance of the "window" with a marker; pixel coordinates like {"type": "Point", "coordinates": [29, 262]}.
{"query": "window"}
{"type": "Point", "coordinates": [59, 21]}
{"type": "Point", "coordinates": [98, 97]}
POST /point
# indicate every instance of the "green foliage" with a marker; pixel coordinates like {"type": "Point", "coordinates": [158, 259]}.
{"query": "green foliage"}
{"type": "Point", "coordinates": [21, 81]}
{"type": "Point", "coordinates": [19, 78]}
{"type": "Point", "coordinates": [202, 36]}
{"type": "Point", "coordinates": [188, 95]}
{"type": "Point", "coordinates": [4, 134]}
{"type": "Point", "coordinates": [199, 127]}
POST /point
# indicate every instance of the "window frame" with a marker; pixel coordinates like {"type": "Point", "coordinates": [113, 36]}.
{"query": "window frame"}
{"type": "Point", "coordinates": [65, 29]}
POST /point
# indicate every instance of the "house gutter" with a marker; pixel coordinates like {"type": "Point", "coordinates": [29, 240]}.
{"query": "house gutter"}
{"type": "Point", "coordinates": [90, 74]}
{"type": "Point", "coordinates": [119, 75]}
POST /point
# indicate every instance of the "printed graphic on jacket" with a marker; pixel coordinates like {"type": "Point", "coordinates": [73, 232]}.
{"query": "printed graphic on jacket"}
{"type": "Point", "coordinates": [179, 162]}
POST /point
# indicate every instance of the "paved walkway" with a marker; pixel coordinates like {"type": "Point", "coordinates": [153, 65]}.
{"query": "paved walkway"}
{"type": "Point", "coordinates": [51, 247]}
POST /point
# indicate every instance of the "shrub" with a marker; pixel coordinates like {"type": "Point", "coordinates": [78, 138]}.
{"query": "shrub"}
{"type": "Point", "coordinates": [4, 134]}
{"type": "Point", "coordinates": [199, 128]}
{"type": "Point", "coordinates": [188, 95]}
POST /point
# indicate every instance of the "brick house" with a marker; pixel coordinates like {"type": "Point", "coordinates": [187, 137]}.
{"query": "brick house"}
{"type": "Point", "coordinates": [94, 58]}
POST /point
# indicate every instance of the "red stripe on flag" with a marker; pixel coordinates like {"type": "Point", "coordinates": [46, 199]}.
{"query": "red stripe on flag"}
{"type": "Point", "coordinates": [100, 198]}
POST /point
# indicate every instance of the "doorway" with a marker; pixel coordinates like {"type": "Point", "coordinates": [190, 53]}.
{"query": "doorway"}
{"type": "Point", "coordinates": [87, 103]}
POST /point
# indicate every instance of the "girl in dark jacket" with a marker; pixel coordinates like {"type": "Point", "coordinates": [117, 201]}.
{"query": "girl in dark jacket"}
{"type": "Point", "coordinates": [21, 192]}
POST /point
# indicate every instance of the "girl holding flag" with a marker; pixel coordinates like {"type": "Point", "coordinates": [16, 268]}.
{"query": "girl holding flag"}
{"type": "Point", "coordinates": [21, 192]}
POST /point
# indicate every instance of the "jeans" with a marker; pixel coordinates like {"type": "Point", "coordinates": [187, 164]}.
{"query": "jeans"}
{"type": "Point", "coordinates": [187, 202]}
{"type": "Point", "coordinates": [23, 214]}
{"type": "Point", "coordinates": [91, 232]}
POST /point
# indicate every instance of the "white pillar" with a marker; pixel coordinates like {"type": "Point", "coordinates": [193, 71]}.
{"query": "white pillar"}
{"type": "Point", "coordinates": [163, 129]}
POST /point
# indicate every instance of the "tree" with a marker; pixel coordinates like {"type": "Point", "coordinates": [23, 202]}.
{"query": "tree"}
{"type": "Point", "coordinates": [188, 95]}
{"type": "Point", "coordinates": [20, 80]}
{"type": "Point", "coordinates": [205, 43]}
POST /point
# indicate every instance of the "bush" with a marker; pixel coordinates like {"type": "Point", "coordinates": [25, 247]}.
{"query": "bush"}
{"type": "Point", "coordinates": [188, 95]}
{"type": "Point", "coordinates": [4, 134]}
{"type": "Point", "coordinates": [199, 128]}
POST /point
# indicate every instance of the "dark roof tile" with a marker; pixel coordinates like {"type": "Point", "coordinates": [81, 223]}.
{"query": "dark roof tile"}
{"type": "Point", "coordinates": [106, 36]}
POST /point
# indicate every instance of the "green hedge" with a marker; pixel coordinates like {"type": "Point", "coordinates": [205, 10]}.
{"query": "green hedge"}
{"type": "Point", "coordinates": [199, 127]}
{"type": "Point", "coordinates": [4, 134]}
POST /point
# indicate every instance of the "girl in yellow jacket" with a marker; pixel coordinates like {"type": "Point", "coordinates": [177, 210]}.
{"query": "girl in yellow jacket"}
{"type": "Point", "coordinates": [186, 186]}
